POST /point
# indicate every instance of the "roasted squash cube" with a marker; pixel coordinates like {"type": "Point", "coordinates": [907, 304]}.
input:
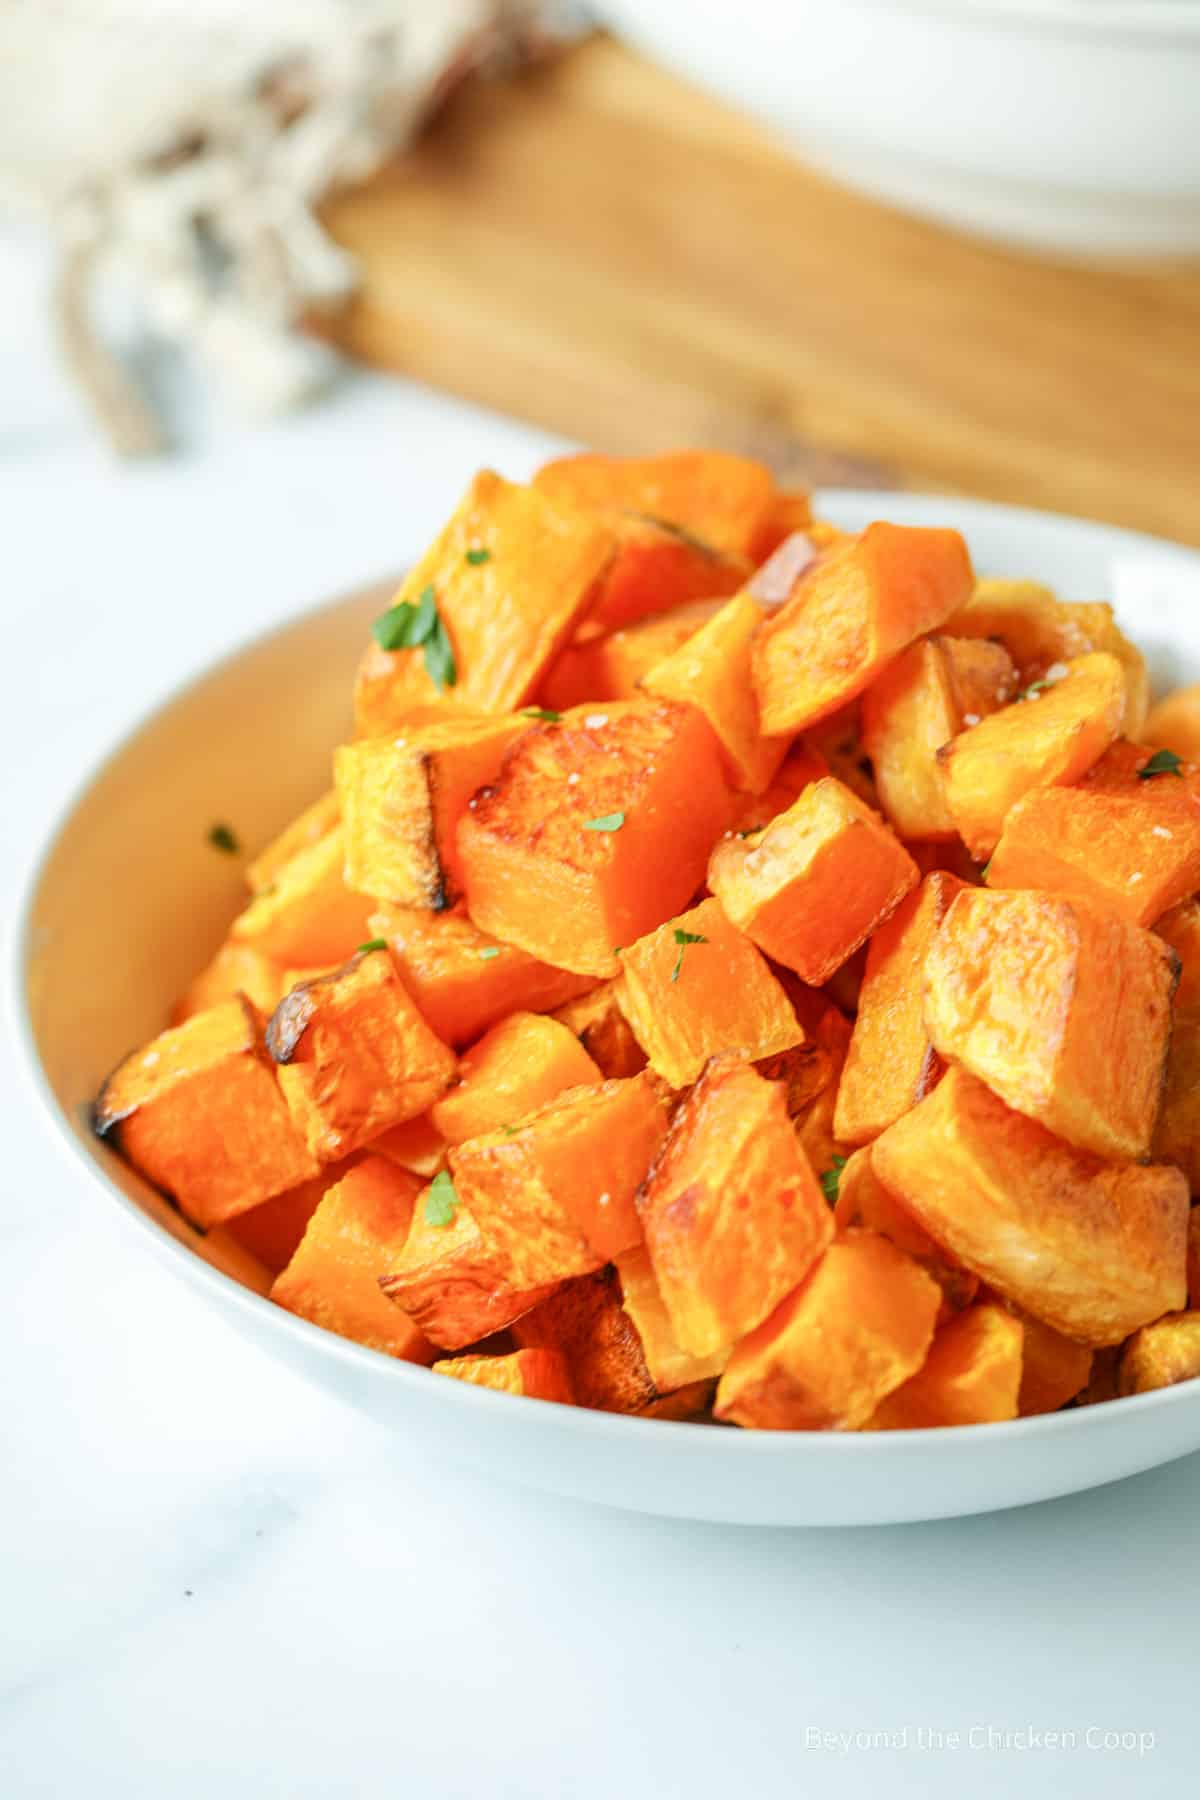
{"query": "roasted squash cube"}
{"type": "Point", "coordinates": [724, 500]}
{"type": "Point", "coordinates": [972, 1375]}
{"type": "Point", "coordinates": [532, 1374]}
{"type": "Point", "coordinates": [1054, 1368]}
{"type": "Point", "coordinates": [670, 1366]}
{"type": "Point", "coordinates": [199, 1113]}
{"type": "Point", "coordinates": [273, 1229]}
{"type": "Point", "coordinates": [585, 1323]}
{"type": "Point", "coordinates": [417, 1144]}
{"type": "Point", "coordinates": [608, 665]}
{"type": "Point", "coordinates": [850, 613]}
{"type": "Point", "coordinates": [791, 512]}
{"type": "Point", "coordinates": [307, 829]}
{"type": "Point", "coordinates": [1048, 739]}
{"type": "Point", "coordinates": [402, 798]}
{"type": "Point", "coordinates": [1174, 724]}
{"type": "Point", "coordinates": [307, 915]}
{"type": "Point", "coordinates": [659, 565]}
{"type": "Point", "coordinates": [357, 1232]}
{"type": "Point", "coordinates": [511, 575]}
{"type": "Point", "coordinates": [1063, 1009]}
{"type": "Point", "coordinates": [860, 1325]}
{"type": "Point", "coordinates": [814, 883]}
{"type": "Point", "coordinates": [1161, 1354]}
{"type": "Point", "coordinates": [891, 1063]}
{"type": "Point", "coordinates": [926, 697]}
{"type": "Point", "coordinates": [732, 1213]}
{"type": "Point", "coordinates": [1093, 1248]}
{"type": "Point", "coordinates": [554, 1195]}
{"type": "Point", "coordinates": [1177, 1138]}
{"type": "Point", "coordinates": [1193, 1259]}
{"type": "Point", "coordinates": [1180, 930]}
{"type": "Point", "coordinates": [862, 1199]}
{"type": "Point", "coordinates": [813, 1121]}
{"type": "Point", "coordinates": [450, 1284]}
{"type": "Point", "coordinates": [800, 768]}
{"type": "Point", "coordinates": [597, 829]}
{"type": "Point", "coordinates": [235, 969]}
{"type": "Point", "coordinates": [695, 987]}
{"type": "Point", "coordinates": [603, 1030]}
{"type": "Point", "coordinates": [712, 671]}
{"type": "Point", "coordinates": [355, 1056]}
{"type": "Point", "coordinates": [516, 1068]}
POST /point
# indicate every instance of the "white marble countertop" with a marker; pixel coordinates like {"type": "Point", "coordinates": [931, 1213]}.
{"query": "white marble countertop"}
{"type": "Point", "coordinates": [214, 1581]}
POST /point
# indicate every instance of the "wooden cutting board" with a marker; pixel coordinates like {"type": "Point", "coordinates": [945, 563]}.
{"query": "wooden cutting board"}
{"type": "Point", "coordinates": [596, 246]}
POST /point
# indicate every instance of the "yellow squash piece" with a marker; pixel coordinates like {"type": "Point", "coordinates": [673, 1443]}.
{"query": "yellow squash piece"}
{"type": "Point", "coordinates": [533, 1374]}
{"type": "Point", "coordinates": [972, 1375]}
{"type": "Point", "coordinates": [517, 1067]}
{"type": "Point", "coordinates": [307, 916]}
{"type": "Point", "coordinates": [1161, 1354]}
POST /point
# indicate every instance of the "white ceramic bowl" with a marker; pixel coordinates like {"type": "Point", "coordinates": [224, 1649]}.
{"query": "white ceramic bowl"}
{"type": "Point", "coordinates": [130, 897]}
{"type": "Point", "coordinates": [1067, 125]}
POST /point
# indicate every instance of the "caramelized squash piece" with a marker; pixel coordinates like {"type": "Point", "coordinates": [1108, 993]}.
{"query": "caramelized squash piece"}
{"type": "Point", "coordinates": [695, 987]}
{"type": "Point", "coordinates": [533, 1374]}
{"type": "Point", "coordinates": [464, 981]}
{"type": "Point", "coordinates": [800, 768]}
{"type": "Point", "coordinates": [1054, 1368]}
{"type": "Point", "coordinates": [355, 1056]}
{"type": "Point", "coordinates": [402, 798]}
{"type": "Point", "coordinates": [724, 500]}
{"type": "Point", "coordinates": [670, 1366]}
{"type": "Point", "coordinates": [732, 1213]}
{"type": "Point", "coordinates": [813, 1121]}
{"type": "Point", "coordinates": [554, 1195]}
{"type": "Point", "coordinates": [515, 1068]}
{"type": "Point", "coordinates": [791, 512]}
{"type": "Point", "coordinates": [1174, 724]}
{"type": "Point", "coordinates": [597, 829]}
{"type": "Point", "coordinates": [272, 1230]}
{"type": "Point", "coordinates": [603, 1030]}
{"type": "Point", "coordinates": [415, 1145]}
{"type": "Point", "coordinates": [1064, 1010]}
{"type": "Point", "coordinates": [450, 1284]}
{"type": "Point", "coordinates": [1161, 1354]}
{"type": "Point", "coordinates": [711, 671]}
{"type": "Point", "coordinates": [357, 1230]}
{"type": "Point", "coordinates": [307, 829]}
{"type": "Point", "coordinates": [1049, 739]}
{"type": "Point", "coordinates": [585, 1323]}
{"type": "Point", "coordinates": [235, 969]}
{"type": "Point", "coordinates": [862, 1199]}
{"type": "Point", "coordinates": [1177, 1138]}
{"type": "Point", "coordinates": [891, 1063]}
{"type": "Point", "coordinates": [511, 574]}
{"type": "Point", "coordinates": [307, 915]}
{"type": "Point", "coordinates": [849, 614]}
{"type": "Point", "coordinates": [815, 882]}
{"type": "Point", "coordinates": [1116, 838]}
{"type": "Point", "coordinates": [609, 665]}
{"type": "Point", "coordinates": [837, 1345]}
{"type": "Point", "coordinates": [972, 1375]}
{"type": "Point", "coordinates": [198, 1112]}
{"type": "Point", "coordinates": [927, 696]}
{"type": "Point", "coordinates": [1193, 1259]}
{"type": "Point", "coordinates": [658, 565]}
{"type": "Point", "coordinates": [1093, 1248]}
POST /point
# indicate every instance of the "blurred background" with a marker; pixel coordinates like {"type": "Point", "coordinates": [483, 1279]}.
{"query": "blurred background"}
{"type": "Point", "coordinates": [944, 244]}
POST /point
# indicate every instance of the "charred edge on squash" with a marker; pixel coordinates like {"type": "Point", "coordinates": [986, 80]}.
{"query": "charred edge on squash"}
{"type": "Point", "coordinates": [679, 532]}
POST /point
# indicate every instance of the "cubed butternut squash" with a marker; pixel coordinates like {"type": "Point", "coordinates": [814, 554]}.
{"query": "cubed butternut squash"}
{"type": "Point", "coordinates": [597, 829]}
{"type": "Point", "coordinates": [355, 1056]}
{"type": "Point", "coordinates": [1048, 739]}
{"type": "Point", "coordinates": [724, 500]}
{"type": "Point", "coordinates": [658, 565]}
{"type": "Point", "coordinates": [515, 1068]}
{"type": "Point", "coordinates": [531, 1374]}
{"type": "Point", "coordinates": [1177, 1137]}
{"type": "Point", "coordinates": [972, 1375]}
{"type": "Point", "coordinates": [199, 1113]}
{"type": "Point", "coordinates": [800, 768]}
{"type": "Point", "coordinates": [1063, 1009]}
{"type": "Point", "coordinates": [1161, 1354]}
{"type": "Point", "coordinates": [1174, 723]}
{"type": "Point", "coordinates": [862, 1199]}
{"type": "Point", "coordinates": [307, 829]}
{"type": "Point", "coordinates": [791, 512]}
{"type": "Point", "coordinates": [732, 1213]}
{"type": "Point", "coordinates": [358, 1229]}
{"type": "Point", "coordinates": [696, 986]}
{"type": "Point", "coordinates": [450, 1284]}
{"type": "Point", "coordinates": [1180, 931]}
{"type": "Point", "coordinates": [814, 1120]}
{"type": "Point", "coordinates": [1093, 1248]}
{"type": "Point", "coordinates": [235, 969]}
{"type": "Point", "coordinates": [843, 1340]}
{"type": "Point", "coordinates": [670, 1366]}
{"type": "Point", "coordinates": [585, 1323]}
{"type": "Point", "coordinates": [272, 1230]}
{"type": "Point", "coordinates": [402, 798]}
{"type": "Point", "coordinates": [307, 915]}
{"type": "Point", "coordinates": [608, 665]}
{"type": "Point", "coordinates": [815, 882]}
{"type": "Point", "coordinates": [603, 1030]}
{"type": "Point", "coordinates": [850, 613]}
{"type": "Point", "coordinates": [417, 1144]}
{"type": "Point", "coordinates": [1054, 1368]}
{"type": "Point", "coordinates": [1193, 1259]}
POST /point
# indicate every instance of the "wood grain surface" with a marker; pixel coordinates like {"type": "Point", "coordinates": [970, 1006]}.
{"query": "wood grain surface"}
{"type": "Point", "coordinates": [596, 246]}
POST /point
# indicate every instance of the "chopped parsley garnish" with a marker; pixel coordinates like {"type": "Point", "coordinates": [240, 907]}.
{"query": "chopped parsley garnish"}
{"type": "Point", "coordinates": [488, 952]}
{"type": "Point", "coordinates": [441, 1202]}
{"type": "Point", "coordinates": [983, 873]}
{"type": "Point", "coordinates": [475, 557]}
{"type": "Point", "coordinates": [831, 1178]}
{"type": "Point", "coordinates": [408, 627]}
{"type": "Point", "coordinates": [546, 714]}
{"type": "Point", "coordinates": [1034, 689]}
{"type": "Point", "coordinates": [606, 822]}
{"type": "Point", "coordinates": [370, 945]}
{"type": "Point", "coordinates": [221, 838]}
{"type": "Point", "coordinates": [683, 939]}
{"type": "Point", "coordinates": [1163, 762]}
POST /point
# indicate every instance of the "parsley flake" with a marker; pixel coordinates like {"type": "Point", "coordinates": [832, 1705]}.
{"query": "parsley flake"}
{"type": "Point", "coordinates": [475, 557]}
{"type": "Point", "coordinates": [1163, 762]}
{"type": "Point", "coordinates": [408, 627]}
{"type": "Point", "coordinates": [983, 873]}
{"type": "Point", "coordinates": [546, 714]}
{"type": "Point", "coordinates": [1034, 689]}
{"type": "Point", "coordinates": [683, 939]}
{"type": "Point", "coordinates": [221, 837]}
{"type": "Point", "coordinates": [831, 1178]}
{"type": "Point", "coordinates": [441, 1201]}
{"type": "Point", "coordinates": [488, 952]}
{"type": "Point", "coordinates": [606, 822]}
{"type": "Point", "coordinates": [370, 945]}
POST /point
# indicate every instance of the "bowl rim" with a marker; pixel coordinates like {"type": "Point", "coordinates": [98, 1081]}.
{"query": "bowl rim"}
{"type": "Point", "coordinates": [688, 1437]}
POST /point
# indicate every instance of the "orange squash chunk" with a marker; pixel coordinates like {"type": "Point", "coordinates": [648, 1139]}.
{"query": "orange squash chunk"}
{"type": "Point", "coordinates": [533, 1374]}
{"type": "Point", "coordinates": [658, 565]}
{"type": "Point", "coordinates": [402, 798]}
{"type": "Point", "coordinates": [272, 1230]}
{"type": "Point", "coordinates": [585, 1323]}
{"type": "Point", "coordinates": [813, 1121]}
{"type": "Point", "coordinates": [1180, 930]}
{"type": "Point", "coordinates": [1193, 1258]}
{"type": "Point", "coordinates": [608, 665]}
{"type": "Point", "coordinates": [554, 1195]}
{"type": "Point", "coordinates": [800, 768]}
{"type": "Point", "coordinates": [724, 500]}
{"type": "Point", "coordinates": [926, 697]}
{"type": "Point", "coordinates": [712, 671]}
{"type": "Point", "coordinates": [1161, 1354]}
{"type": "Point", "coordinates": [415, 1145]}
{"type": "Point", "coordinates": [1050, 739]}
{"type": "Point", "coordinates": [837, 1345]}
{"type": "Point", "coordinates": [1054, 1369]}
{"type": "Point", "coordinates": [199, 1113]}
{"type": "Point", "coordinates": [791, 512]}
{"type": "Point", "coordinates": [597, 829]}
{"type": "Point", "coordinates": [464, 981]}
{"type": "Point", "coordinates": [307, 916]}
{"type": "Point", "coordinates": [732, 1213]}
{"type": "Point", "coordinates": [515, 1068]}
{"type": "Point", "coordinates": [849, 614]}
{"type": "Point", "coordinates": [305, 830]}
{"type": "Point", "coordinates": [1177, 1138]}
{"type": "Point", "coordinates": [603, 1030]}
{"type": "Point", "coordinates": [891, 1063]}
{"type": "Point", "coordinates": [670, 1366]}
{"type": "Point", "coordinates": [235, 969]}
{"type": "Point", "coordinates": [512, 574]}
{"type": "Point", "coordinates": [450, 1284]}
{"type": "Point", "coordinates": [1063, 1009]}
{"type": "Point", "coordinates": [356, 1232]}
{"type": "Point", "coordinates": [862, 1199]}
{"type": "Point", "coordinates": [695, 987]}
{"type": "Point", "coordinates": [972, 1375]}
{"type": "Point", "coordinates": [815, 882]}
{"type": "Point", "coordinates": [355, 1056]}
{"type": "Point", "coordinates": [1174, 724]}
{"type": "Point", "coordinates": [1093, 1248]}
{"type": "Point", "coordinates": [1116, 838]}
